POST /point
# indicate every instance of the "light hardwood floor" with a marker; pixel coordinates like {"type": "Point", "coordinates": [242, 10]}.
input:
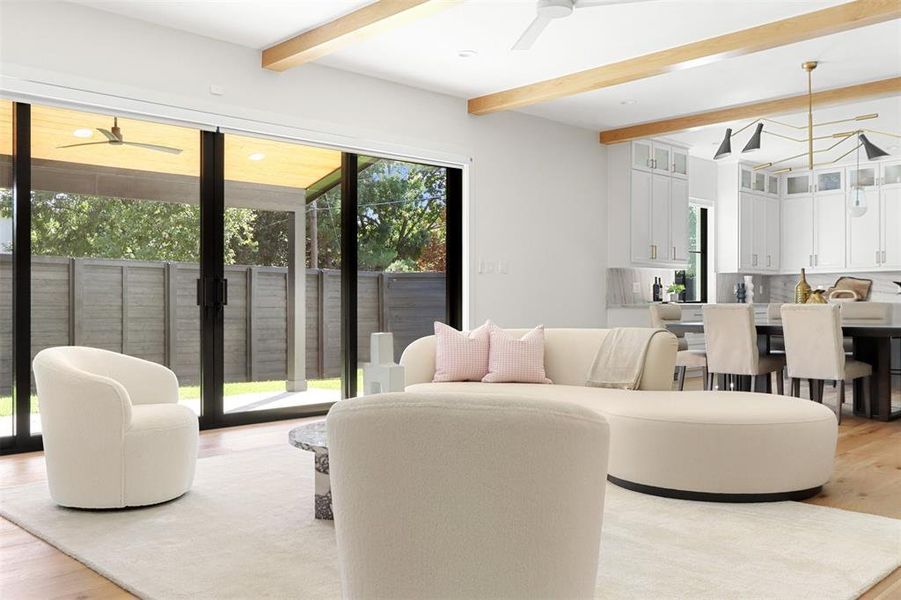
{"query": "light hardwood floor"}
{"type": "Point", "coordinates": [867, 479]}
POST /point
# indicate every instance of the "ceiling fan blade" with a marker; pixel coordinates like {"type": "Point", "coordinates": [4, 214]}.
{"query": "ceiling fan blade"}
{"type": "Point", "coordinates": [591, 3]}
{"type": "Point", "coordinates": [168, 149]}
{"type": "Point", "coordinates": [531, 33]}
{"type": "Point", "coordinates": [109, 135]}
{"type": "Point", "coordinates": [82, 144]}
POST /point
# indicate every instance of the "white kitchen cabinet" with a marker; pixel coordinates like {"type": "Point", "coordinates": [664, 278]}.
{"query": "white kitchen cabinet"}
{"type": "Point", "coordinates": [863, 237]}
{"type": "Point", "coordinates": [829, 232]}
{"type": "Point", "coordinates": [773, 234]}
{"type": "Point", "coordinates": [797, 232]}
{"type": "Point", "coordinates": [829, 181]}
{"type": "Point", "coordinates": [680, 162]}
{"type": "Point", "coordinates": [679, 219]}
{"type": "Point", "coordinates": [772, 186]}
{"type": "Point", "coordinates": [890, 212]}
{"type": "Point", "coordinates": [746, 241]}
{"type": "Point", "coordinates": [648, 223]}
{"type": "Point", "coordinates": [660, 217]}
{"type": "Point", "coordinates": [758, 182]}
{"type": "Point", "coordinates": [642, 246]}
{"type": "Point", "coordinates": [797, 184]}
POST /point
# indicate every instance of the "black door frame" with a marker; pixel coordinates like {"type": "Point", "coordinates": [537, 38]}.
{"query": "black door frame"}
{"type": "Point", "coordinates": [212, 289]}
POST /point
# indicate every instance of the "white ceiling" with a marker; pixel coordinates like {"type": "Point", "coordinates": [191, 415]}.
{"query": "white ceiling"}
{"type": "Point", "coordinates": [425, 53]}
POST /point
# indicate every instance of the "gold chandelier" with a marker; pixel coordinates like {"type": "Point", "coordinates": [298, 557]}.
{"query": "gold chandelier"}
{"type": "Point", "coordinates": [873, 151]}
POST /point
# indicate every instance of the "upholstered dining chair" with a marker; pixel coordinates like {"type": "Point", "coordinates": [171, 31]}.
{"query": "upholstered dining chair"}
{"type": "Point", "coordinates": [815, 351]}
{"type": "Point", "coordinates": [661, 316]}
{"type": "Point", "coordinates": [450, 495]}
{"type": "Point", "coordinates": [114, 433]}
{"type": "Point", "coordinates": [731, 338]}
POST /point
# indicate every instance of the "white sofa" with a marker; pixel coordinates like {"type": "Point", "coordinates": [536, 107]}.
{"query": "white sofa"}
{"type": "Point", "coordinates": [114, 433]}
{"type": "Point", "coordinates": [707, 445]}
{"type": "Point", "coordinates": [462, 496]}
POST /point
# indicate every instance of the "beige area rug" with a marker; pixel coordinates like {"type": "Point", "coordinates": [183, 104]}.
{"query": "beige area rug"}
{"type": "Point", "coordinates": [246, 530]}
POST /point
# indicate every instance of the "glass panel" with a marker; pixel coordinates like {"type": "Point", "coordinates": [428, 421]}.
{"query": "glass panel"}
{"type": "Point", "coordinates": [759, 182]}
{"type": "Point", "coordinates": [282, 320]}
{"type": "Point", "coordinates": [865, 177]}
{"type": "Point", "coordinates": [829, 181]}
{"type": "Point", "coordinates": [6, 263]}
{"type": "Point", "coordinates": [745, 179]}
{"type": "Point", "coordinates": [773, 186]}
{"type": "Point", "coordinates": [892, 174]}
{"type": "Point", "coordinates": [115, 240]}
{"type": "Point", "coordinates": [680, 163]}
{"type": "Point", "coordinates": [798, 184]}
{"type": "Point", "coordinates": [661, 158]}
{"type": "Point", "coordinates": [693, 292]}
{"type": "Point", "coordinates": [641, 154]}
{"type": "Point", "coordinates": [402, 249]}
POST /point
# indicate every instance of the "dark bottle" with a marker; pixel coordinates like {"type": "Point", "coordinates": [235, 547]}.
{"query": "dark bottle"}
{"type": "Point", "coordinates": [657, 289]}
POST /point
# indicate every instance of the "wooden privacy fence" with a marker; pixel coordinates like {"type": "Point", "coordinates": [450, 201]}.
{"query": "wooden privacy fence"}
{"type": "Point", "coordinates": [149, 309]}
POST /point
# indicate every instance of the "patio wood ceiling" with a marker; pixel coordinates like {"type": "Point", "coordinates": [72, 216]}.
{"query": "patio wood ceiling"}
{"type": "Point", "coordinates": [284, 164]}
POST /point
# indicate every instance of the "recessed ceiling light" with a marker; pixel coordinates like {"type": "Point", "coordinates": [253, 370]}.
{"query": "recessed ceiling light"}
{"type": "Point", "coordinates": [466, 53]}
{"type": "Point", "coordinates": [83, 133]}
{"type": "Point", "coordinates": [257, 156]}
{"type": "Point", "coordinates": [630, 101]}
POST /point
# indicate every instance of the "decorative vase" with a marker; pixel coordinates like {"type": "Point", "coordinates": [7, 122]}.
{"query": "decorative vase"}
{"type": "Point", "coordinates": [802, 290]}
{"type": "Point", "coordinates": [816, 297]}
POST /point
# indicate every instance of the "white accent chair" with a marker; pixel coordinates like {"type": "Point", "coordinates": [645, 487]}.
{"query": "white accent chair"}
{"type": "Point", "coordinates": [731, 338]}
{"type": "Point", "coordinates": [661, 315]}
{"type": "Point", "coordinates": [815, 351]}
{"type": "Point", "coordinates": [449, 495]}
{"type": "Point", "coordinates": [114, 433]}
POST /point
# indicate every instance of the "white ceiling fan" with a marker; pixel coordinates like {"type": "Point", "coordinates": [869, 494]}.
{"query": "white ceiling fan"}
{"type": "Point", "coordinates": [548, 10]}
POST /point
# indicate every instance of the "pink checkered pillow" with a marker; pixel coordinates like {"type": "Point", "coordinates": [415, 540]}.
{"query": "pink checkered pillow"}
{"type": "Point", "coordinates": [460, 355]}
{"type": "Point", "coordinates": [516, 361]}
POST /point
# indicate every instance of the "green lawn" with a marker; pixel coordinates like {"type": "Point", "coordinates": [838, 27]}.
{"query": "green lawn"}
{"type": "Point", "coordinates": [192, 392]}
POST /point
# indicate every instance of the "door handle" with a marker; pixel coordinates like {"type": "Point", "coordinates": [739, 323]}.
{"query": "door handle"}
{"type": "Point", "coordinates": [674, 253]}
{"type": "Point", "coordinates": [769, 260]}
{"type": "Point", "coordinates": [883, 257]}
{"type": "Point", "coordinates": [877, 257]}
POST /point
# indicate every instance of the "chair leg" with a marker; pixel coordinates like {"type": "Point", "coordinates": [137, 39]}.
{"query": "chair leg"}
{"type": "Point", "coordinates": [840, 401]}
{"type": "Point", "coordinates": [865, 390]}
{"type": "Point", "coordinates": [813, 389]}
{"type": "Point", "coordinates": [796, 387]}
{"type": "Point", "coordinates": [780, 383]}
{"type": "Point", "coordinates": [706, 379]}
{"type": "Point", "coordinates": [821, 388]}
{"type": "Point", "coordinates": [680, 378]}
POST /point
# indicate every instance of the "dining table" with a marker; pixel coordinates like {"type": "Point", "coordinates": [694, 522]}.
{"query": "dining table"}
{"type": "Point", "coordinates": [877, 343]}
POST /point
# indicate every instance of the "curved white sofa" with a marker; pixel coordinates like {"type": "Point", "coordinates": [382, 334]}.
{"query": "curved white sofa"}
{"type": "Point", "coordinates": [114, 433]}
{"type": "Point", "coordinates": [718, 446]}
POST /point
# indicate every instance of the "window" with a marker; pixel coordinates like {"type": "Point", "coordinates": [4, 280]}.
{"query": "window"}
{"type": "Point", "coordinates": [696, 274]}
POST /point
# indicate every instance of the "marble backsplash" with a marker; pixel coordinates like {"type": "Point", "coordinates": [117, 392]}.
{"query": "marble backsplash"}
{"type": "Point", "coordinates": [781, 288]}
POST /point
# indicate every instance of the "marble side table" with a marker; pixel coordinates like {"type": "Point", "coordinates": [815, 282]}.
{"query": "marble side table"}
{"type": "Point", "coordinates": [312, 437]}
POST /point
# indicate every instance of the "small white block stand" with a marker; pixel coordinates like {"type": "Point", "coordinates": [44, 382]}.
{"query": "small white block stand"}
{"type": "Point", "coordinates": [382, 374]}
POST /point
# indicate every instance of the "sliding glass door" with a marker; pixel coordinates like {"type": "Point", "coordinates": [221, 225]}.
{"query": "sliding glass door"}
{"type": "Point", "coordinates": [256, 269]}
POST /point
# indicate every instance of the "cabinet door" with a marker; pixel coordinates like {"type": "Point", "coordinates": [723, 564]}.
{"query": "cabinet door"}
{"type": "Point", "coordinates": [661, 158]}
{"type": "Point", "coordinates": [863, 232]}
{"type": "Point", "coordinates": [745, 179]}
{"type": "Point", "coordinates": [891, 225]}
{"type": "Point", "coordinates": [660, 218]}
{"type": "Point", "coordinates": [679, 219]}
{"type": "Point", "coordinates": [828, 181]}
{"type": "Point", "coordinates": [797, 184]}
{"type": "Point", "coordinates": [773, 234]}
{"type": "Point", "coordinates": [758, 183]}
{"type": "Point", "coordinates": [641, 155]}
{"type": "Point", "coordinates": [641, 216]}
{"type": "Point", "coordinates": [829, 230]}
{"type": "Point", "coordinates": [797, 232]}
{"type": "Point", "coordinates": [746, 246]}
{"type": "Point", "coordinates": [772, 186]}
{"type": "Point", "coordinates": [758, 259]}
{"type": "Point", "coordinates": [680, 163]}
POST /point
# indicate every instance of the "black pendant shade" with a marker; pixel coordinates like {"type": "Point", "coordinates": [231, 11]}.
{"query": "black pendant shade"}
{"type": "Point", "coordinates": [873, 151]}
{"type": "Point", "coordinates": [725, 148]}
{"type": "Point", "coordinates": [754, 142]}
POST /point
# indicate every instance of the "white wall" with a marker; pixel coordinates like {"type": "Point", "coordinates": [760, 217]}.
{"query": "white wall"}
{"type": "Point", "coordinates": [536, 188]}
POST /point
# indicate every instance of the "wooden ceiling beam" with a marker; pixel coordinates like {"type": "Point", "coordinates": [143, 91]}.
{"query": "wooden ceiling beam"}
{"type": "Point", "coordinates": [844, 17]}
{"type": "Point", "coordinates": [372, 19]}
{"type": "Point", "coordinates": [766, 108]}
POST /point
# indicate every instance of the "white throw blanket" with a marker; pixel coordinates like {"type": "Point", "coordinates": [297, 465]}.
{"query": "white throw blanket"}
{"type": "Point", "coordinates": [619, 362]}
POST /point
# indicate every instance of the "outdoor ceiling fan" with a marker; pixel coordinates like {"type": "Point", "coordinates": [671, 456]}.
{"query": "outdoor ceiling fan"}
{"type": "Point", "coordinates": [115, 138]}
{"type": "Point", "coordinates": [548, 10]}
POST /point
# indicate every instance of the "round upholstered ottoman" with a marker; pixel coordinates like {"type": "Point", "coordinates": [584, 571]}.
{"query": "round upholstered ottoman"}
{"type": "Point", "coordinates": [720, 446]}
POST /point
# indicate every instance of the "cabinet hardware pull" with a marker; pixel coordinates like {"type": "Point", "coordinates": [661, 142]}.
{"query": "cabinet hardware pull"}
{"type": "Point", "coordinates": [877, 257]}
{"type": "Point", "coordinates": [883, 257]}
{"type": "Point", "coordinates": [769, 260]}
{"type": "Point", "coordinates": [674, 253]}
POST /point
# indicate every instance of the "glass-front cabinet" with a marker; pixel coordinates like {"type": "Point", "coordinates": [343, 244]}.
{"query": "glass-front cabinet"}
{"type": "Point", "coordinates": [680, 163]}
{"type": "Point", "coordinates": [797, 184]}
{"type": "Point", "coordinates": [829, 181]}
{"type": "Point", "coordinates": [641, 155]}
